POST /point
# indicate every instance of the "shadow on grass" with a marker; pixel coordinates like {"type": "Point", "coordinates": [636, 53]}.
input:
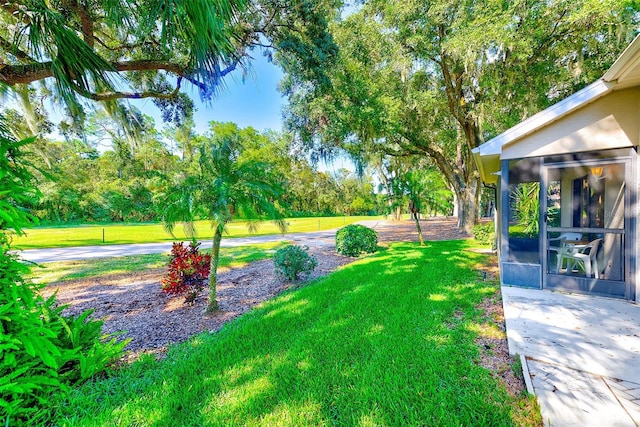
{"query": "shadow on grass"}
{"type": "Point", "coordinates": [371, 344]}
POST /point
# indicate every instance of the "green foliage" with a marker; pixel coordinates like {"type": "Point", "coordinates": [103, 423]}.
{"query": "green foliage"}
{"type": "Point", "coordinates": [293, 261]}
{"type": "Point", "coordinates": [190, 35]}
{"type": "Point", "coordinates": [436, 78]}
{"type": "Point", "coordinates": [553, 216]}
{"type": "Point", "coordinates": [90, 352]}
{"type": "Point", "coordinates": [427, 189]}
{"type": "Point", "coordinates": [127, 183]}
{"type": "Point", "coordinates": [154, 49]}
{"type": "Point", "coordinates": [42, 352]}
{"type": "Point", "coordinates": [16, 185]}
{"type": "Point", "coordinates": [525, 206]}
{"type": "Point", "coordinates": [188, 271]}
{"type": "Point", "coordinates": [30, 359]}
{"type": "Point", "coordinates": [228, 182]}
{"type": "Point", "coordinates": [485, 233]}
{"type": "Point", "coordinates": [355, 239]}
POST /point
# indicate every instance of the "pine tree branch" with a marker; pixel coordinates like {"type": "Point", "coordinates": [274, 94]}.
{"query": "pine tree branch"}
{"type": "Point", "coordinates": [110, 96]}
{"type": "Point", "coordinates": [29, 73]}
{"type": "Point", "coordinates": [13, 50]}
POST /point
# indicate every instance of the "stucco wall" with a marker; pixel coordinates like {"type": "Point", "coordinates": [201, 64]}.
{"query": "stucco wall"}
{"type": "Point", "coordinates": [612, 121]}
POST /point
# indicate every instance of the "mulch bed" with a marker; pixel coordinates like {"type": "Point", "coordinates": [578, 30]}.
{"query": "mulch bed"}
{"type": "Point", "coordinates": [133, 303]}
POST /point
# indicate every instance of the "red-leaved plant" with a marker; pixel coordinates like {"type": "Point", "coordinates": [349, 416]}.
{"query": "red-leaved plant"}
{"type": "Point", "coordinates": [188, 271]}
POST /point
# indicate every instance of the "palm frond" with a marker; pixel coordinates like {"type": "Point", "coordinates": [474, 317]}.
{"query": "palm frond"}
{"type": "Point", "coordinates": [76, 67]}
{"type": "Point", "coordinates": [208, 29]}
{"type": "Point", "coordinates": [179, 207]}
{"type": "Point", "coordinates": [119, 11]}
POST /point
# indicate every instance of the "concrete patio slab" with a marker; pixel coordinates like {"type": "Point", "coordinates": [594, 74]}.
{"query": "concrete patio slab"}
{"type": "Point", "coordinates": [582, 354]}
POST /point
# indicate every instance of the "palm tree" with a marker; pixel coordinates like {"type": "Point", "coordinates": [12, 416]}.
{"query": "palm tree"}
{"type": "Point", "coordinates": [414, 188]}
{"type": "Point", "coordinates": [224, 186]}
{"type": "Point", "coordinates": [423, 187]}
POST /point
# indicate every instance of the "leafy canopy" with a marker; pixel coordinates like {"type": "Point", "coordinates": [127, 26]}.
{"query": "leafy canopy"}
{"type": "Point", "coordinates": [108, 50]}
{"type": "Point", "coordinates": [437, 77]}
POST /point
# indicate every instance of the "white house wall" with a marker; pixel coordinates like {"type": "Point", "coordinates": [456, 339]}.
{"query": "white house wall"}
{"type": "Point", "coordinates": [609, 122]}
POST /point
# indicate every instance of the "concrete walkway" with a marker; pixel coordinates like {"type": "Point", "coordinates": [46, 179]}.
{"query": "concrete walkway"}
{"type": "Point", "coordinates": [312, 239]}
{"type": "Point", "coordinates": [582, 354]}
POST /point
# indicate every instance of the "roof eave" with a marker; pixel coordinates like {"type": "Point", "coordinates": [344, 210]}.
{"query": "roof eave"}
{"type": "Point", "coordinates": [626, 62]}
{"type": "Point", "coordinates": [578, 100]}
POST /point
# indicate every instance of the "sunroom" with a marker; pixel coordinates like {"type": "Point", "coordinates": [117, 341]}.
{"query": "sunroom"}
{"type": "Point", "coordinates": [567, 184]}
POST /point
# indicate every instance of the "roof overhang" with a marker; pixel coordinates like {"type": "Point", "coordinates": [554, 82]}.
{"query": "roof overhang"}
{"type": "Point", "coordinates": [488, 154]}
{"type": "Point", "coordinates": [625, 72]}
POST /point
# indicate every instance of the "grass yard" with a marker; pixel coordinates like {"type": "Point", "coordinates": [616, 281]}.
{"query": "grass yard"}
{"type": "Point", "coordinates": [88, 235]}
{"type": "Point", "coordinates": [386, 341]}
{"type": "Point", "coordinates": [83, 269]}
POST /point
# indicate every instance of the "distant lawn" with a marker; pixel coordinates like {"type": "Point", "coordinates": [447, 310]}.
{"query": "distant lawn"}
{"type": "Point", "coordinates": [71, 270]}
{"type": "Point", "coordinates": [386, 341]}
{"type": "Point", "coordinates": [88, 235]}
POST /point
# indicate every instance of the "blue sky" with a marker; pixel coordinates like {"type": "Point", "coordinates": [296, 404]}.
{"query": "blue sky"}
{"type": "Point", "coordinates": [253, 101]}
{"type": "Point", "coordinates": [250, 101]}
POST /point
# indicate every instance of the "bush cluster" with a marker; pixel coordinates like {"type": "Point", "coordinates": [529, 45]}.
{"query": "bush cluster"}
{"type": "Point", "coordinates": [44, 353]}
{"type": "Point", "coordinates": [188, 271]}
{"type": "Point", "coordinates": [355, 239]}
{"type": "Point", "coordinates": [292, 261]}
{"type": "Point", "coordinates": [484, 234]}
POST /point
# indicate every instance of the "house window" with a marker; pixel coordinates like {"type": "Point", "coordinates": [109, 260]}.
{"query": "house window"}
{"type": "Point", "coordinates": [524, 211]}
{"type": "Point", "coordinates": [586, 204]}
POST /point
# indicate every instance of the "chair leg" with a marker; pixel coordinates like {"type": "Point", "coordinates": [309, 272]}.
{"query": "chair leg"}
{"type": "Point", "coordinates": [571, 264]}
{"type": "Point", "coordinates": [587, 268]}
{"type": "Point", "coordinates": [595, 268]}
{"type": "Point", "coordinates": [561, 261]}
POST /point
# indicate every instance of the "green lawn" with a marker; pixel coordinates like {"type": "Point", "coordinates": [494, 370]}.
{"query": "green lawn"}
{"type": "Point", "coordinates": [82, 269]}
{"type": "Point", "coordinates": [86, 235]}
{"type": "Point", "coordinates": [387, 341]}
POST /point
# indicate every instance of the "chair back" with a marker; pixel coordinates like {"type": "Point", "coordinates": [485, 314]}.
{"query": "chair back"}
{"type": "Point", "coordinates": [571, 236]}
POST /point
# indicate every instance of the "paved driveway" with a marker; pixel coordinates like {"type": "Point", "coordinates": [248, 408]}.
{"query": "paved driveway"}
{"type": "Point", "coordinates": [388, 231]}
{"type": "Point", "coordinates": [313, 239]}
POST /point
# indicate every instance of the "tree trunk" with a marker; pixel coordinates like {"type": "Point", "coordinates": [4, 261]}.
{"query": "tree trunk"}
{"type": "Point", "coordinates": [397, 214]}
{"type": "Point", "coordinates": [213, 272]}
{"type": "Point", "coordinates": [415, 217]}
{"type": "Point", "coordinates": [467, 206]}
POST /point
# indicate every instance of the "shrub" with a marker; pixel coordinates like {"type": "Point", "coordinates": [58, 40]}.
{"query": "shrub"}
{"type": "Point", "coordinates": [355, 239]}
{"type": "Point", "coordinates": [188, 271]}
{"type": "Point", "coordinates": [42, 352]}
{"type": "Point", "coordinates": [484, 233]}
{"type": "Point", "coordinates": [292, 261]}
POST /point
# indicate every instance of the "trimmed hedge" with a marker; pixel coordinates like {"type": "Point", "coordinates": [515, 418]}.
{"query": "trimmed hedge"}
{"type": "Point", "coordinates": [355, 239]}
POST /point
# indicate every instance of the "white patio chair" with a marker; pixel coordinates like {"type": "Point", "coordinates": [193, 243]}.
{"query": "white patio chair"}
{"type": "Point", "coordinates": [562, 249]}
{"type": "Point", "coordinates": [588, 258]}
